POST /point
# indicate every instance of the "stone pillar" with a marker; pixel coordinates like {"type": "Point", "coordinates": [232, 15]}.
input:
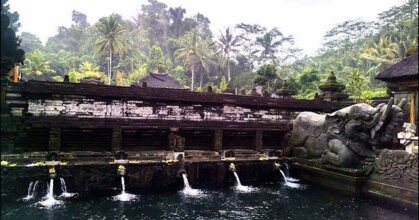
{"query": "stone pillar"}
{"type": "Point", "coordinates": [116, 139]}
{"type": "Point", "coordinates": [218, 140]}
{"type": "Point", "coordinates": [54, 139]}
{"type": "Point", "coordinates": [172, 139]}
{"type": "Point", "coordinates": [259, 140]}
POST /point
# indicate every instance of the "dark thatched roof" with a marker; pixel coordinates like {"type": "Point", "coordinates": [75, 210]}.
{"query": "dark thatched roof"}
{"type": "Point", "coordinates": [44, 77]}
{"type": "Point", "coordinates": [160, 80]}
{"type": "Point", "coordinates": [406, 69]}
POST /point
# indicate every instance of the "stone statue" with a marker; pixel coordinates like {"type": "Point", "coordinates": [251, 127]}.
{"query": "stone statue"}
{"type": "Point", "coordinates": [345, 137]}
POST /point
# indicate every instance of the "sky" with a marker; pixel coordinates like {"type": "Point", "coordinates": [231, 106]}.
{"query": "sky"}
{"type": "Point", "coordinates": [306, 20]}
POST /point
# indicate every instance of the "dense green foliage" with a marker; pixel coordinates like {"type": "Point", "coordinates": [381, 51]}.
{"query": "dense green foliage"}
{"type": "Point", "coordinates": [163, 38]}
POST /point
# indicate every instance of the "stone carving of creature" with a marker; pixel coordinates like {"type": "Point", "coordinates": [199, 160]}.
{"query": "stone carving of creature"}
{"type": "Point", "coordinates": [345, 137]}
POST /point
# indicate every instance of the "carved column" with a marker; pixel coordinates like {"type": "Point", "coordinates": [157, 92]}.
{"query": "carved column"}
{"type": "Point", "coordinates": [54, 139]}
{"type": "Point", "coordinates": [259, 140]}
{"type": "Point", "coordinates": [116, 139]}
{"type": "Point", "coordinates": [218, 140]}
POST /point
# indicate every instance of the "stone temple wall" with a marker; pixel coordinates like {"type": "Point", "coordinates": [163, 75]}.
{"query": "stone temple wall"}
{"type": "Point", "coordinates": [149, 110]}
{"type": "Point", "coordinates": [44, 116]}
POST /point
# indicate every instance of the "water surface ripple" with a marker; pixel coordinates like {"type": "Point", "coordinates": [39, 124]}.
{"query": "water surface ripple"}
{"type": "Point", "coordinates": [270, 201]}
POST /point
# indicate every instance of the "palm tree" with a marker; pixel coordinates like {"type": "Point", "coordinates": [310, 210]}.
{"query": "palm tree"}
{"type": "Point", "coordinates": [195, 52]}
{"type": "Point", "coordinates": [36, 65]}
{"type": "Point", "coordinates": [269, 44]}
{"type": "Point", "coordinates": [228, 42]}
{"type": "Point", "coordinates": [386, 52]}
{"type": "Point", "coordinates": [88, 69]}
{"type": "Point", "coordinates": [111, 32]}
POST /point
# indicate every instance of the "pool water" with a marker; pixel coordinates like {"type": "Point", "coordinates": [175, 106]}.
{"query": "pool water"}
{"type": "Point", "coordinates": [268, 201]}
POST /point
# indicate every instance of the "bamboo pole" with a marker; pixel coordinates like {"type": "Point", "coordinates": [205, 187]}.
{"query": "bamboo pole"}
{"type": "Point", "coordinates": [412, 107]}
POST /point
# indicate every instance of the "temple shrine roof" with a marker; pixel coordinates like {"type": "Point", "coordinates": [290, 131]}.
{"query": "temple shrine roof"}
{"type": "Point", "coordinates": [406, 69]}
{"type": "Point", "coordinates": [159, 80]}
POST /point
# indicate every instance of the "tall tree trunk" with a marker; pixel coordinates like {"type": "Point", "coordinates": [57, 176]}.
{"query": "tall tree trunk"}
{"type": "Point", "coordinates": [110, 66]}
{"type": "Point", "coordinates": [201, 79]}
{"type": "Point", "coordinates": [193, 76]}
{"type": "Point", "coordinates": [228, 68]}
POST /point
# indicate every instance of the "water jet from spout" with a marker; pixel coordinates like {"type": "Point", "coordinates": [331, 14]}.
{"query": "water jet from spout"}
{"type": "Point", "coordinates": [240, 187]}
{"type": "Point", "coordinates": [124, 197]}
{"type": "Point", "coordinates": [188, 190]}
{"type": "Point", "coordinates": [65, 193]}
{"type": "Point", "coordinates": [49, 200]}
{"type": "Point", "coordinates": [288, 183]}
{"type": "Point", "coordinates": [31, 190]}
{"type": "Point", "coordinates": [287, 174]}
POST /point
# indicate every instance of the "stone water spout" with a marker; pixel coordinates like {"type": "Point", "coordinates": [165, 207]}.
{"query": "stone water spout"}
{"type": "Point", "coordinates": [232, 167]}
{"type": "Point", "coordinates": [51, 172]}
{"type": "Point", "coordinates": [124, 196]}
{"type": "Point", "coordinates": [121, 170]}
{"type": "Point", "coordinates": [277, 165]}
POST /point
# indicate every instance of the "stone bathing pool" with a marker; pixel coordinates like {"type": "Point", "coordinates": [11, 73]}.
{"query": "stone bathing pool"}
{"type": "Point", "coordinates": [85, 147]}
{"type": "Point", "coordinates": [273, 200]}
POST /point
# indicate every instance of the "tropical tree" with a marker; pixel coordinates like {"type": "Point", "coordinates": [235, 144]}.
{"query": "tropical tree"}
{"type": "Point", "coordinates": [267, 77]}
{"type": "Point", "coordinates": [36, 64]}
{"type": "Point", "coordinates": [13, 16]}
{"type": "Point", "coordinates": [155, 59]}
{"type": "Point", "coordinates": [138, 73]}
{"type": "Point", "coordinates": [269, 44]}
{"type": "Point", "coordinates": [385, 52]}
{"type": "Point", "coordinates": [248, 33]}
{"type": "Point", "coordinates": [111, 39]}
{"type": "Point", "coordinates": [176, 16]}
{"type": "Point", "coordinates": [30, 42]}
{"type": "Point", "coordinates": [356, 85]}
{"type": "Point", "coordinates": [228, 43]}
{"type": "Point", "coordinates": [86, 70]}
{"type": "Point", "coordinates": [195, 53]}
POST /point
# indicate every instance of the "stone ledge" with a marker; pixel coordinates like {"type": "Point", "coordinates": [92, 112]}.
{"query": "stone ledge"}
{"type": "Point", "coordinates": [358, 186]}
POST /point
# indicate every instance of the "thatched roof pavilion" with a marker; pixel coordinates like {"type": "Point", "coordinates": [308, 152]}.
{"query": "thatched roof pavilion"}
{"type": "Point", "coordinates": [403, 76]}
{"type": "Point", "coordinates": [403, 73]}
{"type": "Point", "coordinates": [159, 80]}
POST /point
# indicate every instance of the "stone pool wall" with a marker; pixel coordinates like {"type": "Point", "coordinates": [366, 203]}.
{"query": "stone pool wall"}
{"type": "Point", "coordinates": [149, 176]}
